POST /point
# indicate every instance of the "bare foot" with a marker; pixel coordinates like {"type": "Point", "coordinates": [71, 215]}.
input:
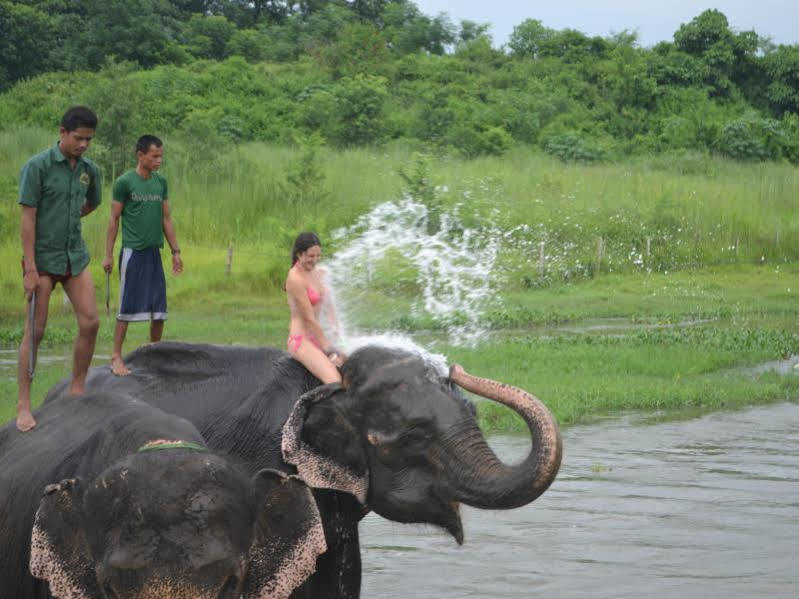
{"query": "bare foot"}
{"type": "Point", "coordinates": [25, 421]}
{"type": "Point", "coordinates": [118, 366]}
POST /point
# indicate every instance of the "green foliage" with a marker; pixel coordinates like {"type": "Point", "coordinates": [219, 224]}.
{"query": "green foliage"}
{"type": "Point", "coordinates": [120, 113]}
{"type": "Point", "coordinates": [358, 49]}
{"type": "Point", "coordinates": [248, 43]}
{"type": "Point", "coordinates": [348, 112]}
{"type": "Point", "coordinates": [727, 56]}
{"type": "Point", "coordinates": [23, 31]}
{"type": "Point", "coordinates": [579, 370]}
{"type": "Point", "coordinates": [782, 91]}
{"type": "Point", "coordinates": [703, 33]}
{"type": "Point", "coordinates": [208, 36]}
{"type": "Point", "coordinates": [571, 147]}
{"type": "Point", "coordinates": [775, 343]}
{"type": "Point", "coordinates": [528, 38]}
{"type": "Point", "coordinates": [791, 147]}
{"type": "Point", "coordinates": [407, 30]}
{"type": "Point", "coordinates": [471, 140]}
{"type": "Point", "coordinates": [495, 141]}
{"type": "Point", "coordinates": [626, 79]}
{"type": "Point", "coordinates": [752, 137]}
{"type": "Point", "coordinates": [305, 181]}
{"type": "Point", "coordinates": [364, 73]}
{"type": "Point", "coordinates": [54, 336]}
{"type": "Point", "coordinates": [140, 31]}
{"type": "Point", "coordinates": [420, 188]}
{"type": "Point", "coordinates": [359, 110]}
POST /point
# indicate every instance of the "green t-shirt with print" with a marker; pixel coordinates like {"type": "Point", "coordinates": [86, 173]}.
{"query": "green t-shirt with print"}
{"type": "Point", "coordinates": [142, 209]}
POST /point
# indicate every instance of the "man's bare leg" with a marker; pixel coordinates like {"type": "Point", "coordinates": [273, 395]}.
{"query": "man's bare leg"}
{"type": "Point", "coordinates": [117, 365]}
{"type": "Point", "coordinates": [80, 290]}
{"type": "Point", "coordinates": [25, 420]}
{"type": "Point", "coordinates": [156, 330]}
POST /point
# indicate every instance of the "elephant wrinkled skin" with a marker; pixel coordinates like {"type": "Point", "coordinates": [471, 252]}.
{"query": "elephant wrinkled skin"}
{"type": "Point", "coordinates": [110, 497]}
{"type": "Point", "coordinates": [395, 437]}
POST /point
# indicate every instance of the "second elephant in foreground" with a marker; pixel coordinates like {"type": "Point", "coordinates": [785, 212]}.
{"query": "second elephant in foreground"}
{"type": "Point", "coordinates": [396, 436]}
{"type": "Point", "coordinates": [110, 497]}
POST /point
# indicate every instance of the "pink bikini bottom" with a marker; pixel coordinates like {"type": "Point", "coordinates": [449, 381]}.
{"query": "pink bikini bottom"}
{"type": "Point", "coordinates": [294, 342]}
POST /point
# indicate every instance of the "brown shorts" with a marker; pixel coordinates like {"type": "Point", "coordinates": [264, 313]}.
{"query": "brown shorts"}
{"type": "Point", "coordinates": [56, 278]}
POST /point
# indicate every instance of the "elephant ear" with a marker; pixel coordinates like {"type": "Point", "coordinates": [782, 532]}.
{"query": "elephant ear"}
{"type": "Point", "coordinates": [289, 536]}
{"type": "Point", "coordinates": [320, 441]}
{"type": "Point", "coordinates": [59, 549]}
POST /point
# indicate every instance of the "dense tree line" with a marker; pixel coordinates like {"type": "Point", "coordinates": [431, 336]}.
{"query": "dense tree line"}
{"type": "Point", "coordinates": [367, 71]}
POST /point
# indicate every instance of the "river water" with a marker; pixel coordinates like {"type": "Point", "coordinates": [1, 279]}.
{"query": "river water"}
{"type": "Point", "coordinates": [705, 508]}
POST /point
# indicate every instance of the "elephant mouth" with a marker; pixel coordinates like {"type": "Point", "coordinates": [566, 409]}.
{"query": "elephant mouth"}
{"type": "Point", "coordinates": [451, 522]}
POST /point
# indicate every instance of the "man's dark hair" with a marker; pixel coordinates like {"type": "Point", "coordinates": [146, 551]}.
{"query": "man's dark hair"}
{"type": "Point", "coordinates": [79, 116]}
{"type": "Point", "coordinates": [145, 141]}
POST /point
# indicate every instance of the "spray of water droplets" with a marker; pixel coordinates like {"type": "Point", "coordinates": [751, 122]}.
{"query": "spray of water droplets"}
{"type": "Point", "coordinates": [454, 265]}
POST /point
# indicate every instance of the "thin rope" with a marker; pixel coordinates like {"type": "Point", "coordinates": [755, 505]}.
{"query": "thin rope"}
{"type": "Point", "coordinates": [163, 444]}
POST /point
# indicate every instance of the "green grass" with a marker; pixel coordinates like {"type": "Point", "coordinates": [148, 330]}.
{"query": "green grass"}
{"type": "Point", "coordinates": [584, 357]}
{"type": "Point", "coordinates": [723, 213]}
{"type": "Point", "coordinates": [582, 379]}
{"type": "Point", "coordinates": [724, 255]}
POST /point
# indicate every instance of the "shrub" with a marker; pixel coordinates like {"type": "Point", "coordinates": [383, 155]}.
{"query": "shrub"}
{"type": "Point", "coordinates": [752, 137]}
{"type": "Point", "coordinates": [571, 147]}
{"type": "Point", "coordinates": [360, 102]}
{"type": "Point", "coordinates": [495, 141]}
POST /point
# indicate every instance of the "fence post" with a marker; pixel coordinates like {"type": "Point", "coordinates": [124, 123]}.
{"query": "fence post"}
{"type": "Point", "coordinates": [541, 259]}
{"type": "Point", "coordinates": [600, 248]}
{"type": "Point", "coordinates": [229, 263]}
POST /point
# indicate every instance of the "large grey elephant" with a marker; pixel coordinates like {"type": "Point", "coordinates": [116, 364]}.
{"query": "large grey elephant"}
{"type": "Point", "coordinates": [110, 497]}
{"type": "Point", "coordinates": [395, 437]}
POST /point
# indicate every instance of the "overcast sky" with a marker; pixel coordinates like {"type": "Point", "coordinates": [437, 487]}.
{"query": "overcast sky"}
{"type": "Point", "coordinates": [654, 21]}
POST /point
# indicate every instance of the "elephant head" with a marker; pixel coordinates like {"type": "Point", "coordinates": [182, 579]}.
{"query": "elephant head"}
{"type": "Point", "coordinates": [405, 441]}
{"type": "Point", "coordinates": [180, 524]}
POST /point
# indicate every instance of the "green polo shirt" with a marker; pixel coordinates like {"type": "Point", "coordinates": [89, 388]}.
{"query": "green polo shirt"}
{"type": "Point", "coordinates": [57, 192]}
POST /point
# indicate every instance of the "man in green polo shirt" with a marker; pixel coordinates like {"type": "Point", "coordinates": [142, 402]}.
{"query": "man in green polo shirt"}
{"type": "Point", "coordinates": [141, 200]}
{"type": "Point", "coordinates": [57, 188]}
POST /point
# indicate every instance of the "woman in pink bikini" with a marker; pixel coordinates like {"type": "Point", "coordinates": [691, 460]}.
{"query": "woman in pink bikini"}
{"type": "Point", "coordinates": [306, 292]}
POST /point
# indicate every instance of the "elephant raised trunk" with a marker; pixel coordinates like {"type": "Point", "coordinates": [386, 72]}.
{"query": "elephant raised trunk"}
{"type": "Point", "coordinates": [479, 477]}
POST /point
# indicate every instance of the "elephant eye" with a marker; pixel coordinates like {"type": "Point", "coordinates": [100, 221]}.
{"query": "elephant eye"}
{"type": "Point", "coordinates": [416, 438]}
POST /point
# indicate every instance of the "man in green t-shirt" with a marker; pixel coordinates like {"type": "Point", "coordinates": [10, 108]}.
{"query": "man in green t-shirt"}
{"type": "Point", "coordinates": [140, 198]}
{"type": "Point", "coordinates": [58, 187]}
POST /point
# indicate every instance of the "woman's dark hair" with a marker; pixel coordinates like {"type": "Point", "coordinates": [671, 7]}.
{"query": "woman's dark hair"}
{"type": "Point", "coordinates": [78, 116]}
{"type": "Point", "coordinates": [303, 242]}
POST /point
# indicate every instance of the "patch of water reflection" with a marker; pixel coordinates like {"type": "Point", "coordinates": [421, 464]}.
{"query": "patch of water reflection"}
{"type": "Point", "coordinates": [699, 508]}
{"type": "Point", "coordinates": [8, 361]}
{"type": "Point", "coordinates": [789, 365]}
{"type": "Point", "coordinates": [626, 324]}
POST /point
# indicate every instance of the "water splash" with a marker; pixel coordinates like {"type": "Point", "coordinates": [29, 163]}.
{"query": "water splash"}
{"type": "Point", "coordinates": [454, 266]}
{"type": "Point", "coordinates": [399, 341]}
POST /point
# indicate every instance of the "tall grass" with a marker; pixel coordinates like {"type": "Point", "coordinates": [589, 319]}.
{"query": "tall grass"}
{"type": "Point", "coordinates": [650, 216]}
{"type": "Point", "coordinates": [689, 211]}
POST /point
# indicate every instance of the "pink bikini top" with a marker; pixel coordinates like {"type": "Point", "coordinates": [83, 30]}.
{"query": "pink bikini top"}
{"type": "Point", "coordinates": [313, 296]}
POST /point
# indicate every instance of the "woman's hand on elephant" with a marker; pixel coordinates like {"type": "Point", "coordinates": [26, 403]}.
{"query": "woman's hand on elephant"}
{"type": "Point", "coordinates": [337, 358]}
